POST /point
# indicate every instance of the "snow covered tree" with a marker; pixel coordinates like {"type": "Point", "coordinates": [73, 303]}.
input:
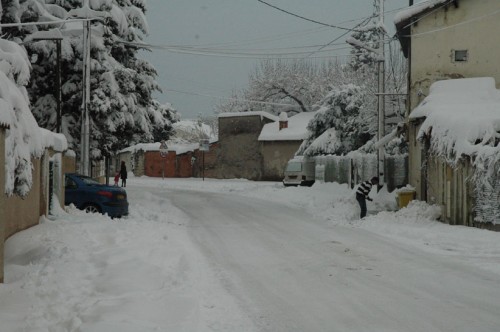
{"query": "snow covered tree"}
{"type": "Point", "coordinates": [362, 58]}
{"type": "Point", "coordinates": [211, 121]}
{"type": "Point", "coordinates": [122, 109]}
{"type": "Point", "coordinates": [290, 83]}
{"type": "Point", "coordinates": [343, 110]}
{"type": "Point", "coordinates": [235, 103]}
{"type": "Point", "coordinates": [163, 132]}
{"type": "Point", "coordinates": [395, 82]}
{"type": "Point", "coordinates": [23, 138]}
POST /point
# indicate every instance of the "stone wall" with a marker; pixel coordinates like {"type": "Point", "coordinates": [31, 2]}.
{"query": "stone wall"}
{"type": "Point", "coordinates": [240, 152]}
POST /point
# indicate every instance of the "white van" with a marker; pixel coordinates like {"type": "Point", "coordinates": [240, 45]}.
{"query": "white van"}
{"type": "Point", "coordinates": [299, 171]}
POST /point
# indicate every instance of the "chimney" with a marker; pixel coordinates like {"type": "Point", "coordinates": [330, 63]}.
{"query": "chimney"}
{"type": "Point", "coordinates": [283, 120]}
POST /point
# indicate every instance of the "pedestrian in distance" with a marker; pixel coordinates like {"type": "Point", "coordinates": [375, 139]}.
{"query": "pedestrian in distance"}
{"type": "Point", "coordinates": [123, 174]}
{"type": "Point", "coordinates": [362, 193]}
{"type": "Point", "coordinates": [117, 178]}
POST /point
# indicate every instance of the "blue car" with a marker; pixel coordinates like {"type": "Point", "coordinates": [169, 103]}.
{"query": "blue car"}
{"type": "Point", "coordinates": [89, 195]}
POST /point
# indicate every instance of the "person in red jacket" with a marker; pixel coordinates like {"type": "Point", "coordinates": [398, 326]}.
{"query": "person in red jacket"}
{"type": "Point", "coordinates": [117, 178]}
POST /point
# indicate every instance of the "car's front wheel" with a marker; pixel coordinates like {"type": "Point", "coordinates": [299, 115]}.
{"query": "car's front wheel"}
{"type": "Point", "coordinates": [91, 208]}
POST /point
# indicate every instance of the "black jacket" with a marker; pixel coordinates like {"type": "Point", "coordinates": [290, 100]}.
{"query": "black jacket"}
{"type": "Point", "coordinates": [123, 172]}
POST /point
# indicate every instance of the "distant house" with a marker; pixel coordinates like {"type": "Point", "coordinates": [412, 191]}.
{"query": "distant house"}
{"type": "Point", "coordinates": [182, 159]}
{"type": "Point", "coordinates": [445, 40]}
{"type": "Point", "coordinates": [240, 153]}
{"type": "Point", "coordinates": [280, 141]}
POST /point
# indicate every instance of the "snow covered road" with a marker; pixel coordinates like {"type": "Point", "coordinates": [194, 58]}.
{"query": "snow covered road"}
{"type": "Point", "coordinates": [292, 272]}
{"type": "Point", "coordinates": [236, 255]}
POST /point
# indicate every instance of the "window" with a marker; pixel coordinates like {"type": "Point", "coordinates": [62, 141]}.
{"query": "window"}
{"type": "Point", "coordinates": [69, 183]}
{"type": "Point", "coordinates": [460, 55]}
{"type": "Point", "coordinates": [294, 167]}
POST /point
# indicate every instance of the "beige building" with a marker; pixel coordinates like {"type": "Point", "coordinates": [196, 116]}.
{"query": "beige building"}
{"type": "Point", "coordinates": [280, 141]}
{"type": "Point", "coordinates": [444, 40]}
{"type": "Point", "coordinates": [47, 192]}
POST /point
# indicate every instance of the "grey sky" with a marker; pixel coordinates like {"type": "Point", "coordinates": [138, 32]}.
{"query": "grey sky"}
{"type": "Point", "coordinates": [243, 25]}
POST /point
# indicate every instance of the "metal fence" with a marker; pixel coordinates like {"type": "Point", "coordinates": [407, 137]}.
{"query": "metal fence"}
{"type": "Point", "coordinates": [356, 168]}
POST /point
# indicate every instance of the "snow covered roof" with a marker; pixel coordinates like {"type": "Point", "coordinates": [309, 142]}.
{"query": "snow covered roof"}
{"type": "Point", "coordinates": [4, 120]}
{"type": "Point", "coordinates": [55, 141]}
{"type": "Point", "coordinates": [241, 114]}
{"type": "Point", "coordinates": [403, 19]}
{"type": "Point", "coordinates": [417, 10]}
{"type": "Point", "coordinates": [179, 148]}
{"type": "Point", "coordinates": [463, 118]}
{"type": "Point", "coordinates": [297, 129]}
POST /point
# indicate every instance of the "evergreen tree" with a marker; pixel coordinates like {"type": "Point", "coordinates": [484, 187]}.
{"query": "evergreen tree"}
{"type": "Point", "coordinates": [23, 138]}
{"type": "Point", "coordinates": [344, 110]}
{"type": "Point", "coordinates": [122, 109]}
{"type": "Point", "coordinates": [362, 58]}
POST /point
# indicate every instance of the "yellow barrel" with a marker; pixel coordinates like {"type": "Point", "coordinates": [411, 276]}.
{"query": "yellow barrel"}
{"type": "Point", "coordinates": [405, 197]}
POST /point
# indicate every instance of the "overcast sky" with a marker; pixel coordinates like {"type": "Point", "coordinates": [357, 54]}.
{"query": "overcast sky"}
{"type": "Point", "coordinates": [194, 83]}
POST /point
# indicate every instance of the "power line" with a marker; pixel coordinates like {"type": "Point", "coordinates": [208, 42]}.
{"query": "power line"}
{"type": "Point", "coordinates": [233, 99]}
{"type": "Point", "coordinates": [305, 18]}
{"type": "Point", "coordinates": [226, 53]}
{"type": "Point", "coordinates": [270, 38]}
{"type": "Point", "coordinates": [342, 35]}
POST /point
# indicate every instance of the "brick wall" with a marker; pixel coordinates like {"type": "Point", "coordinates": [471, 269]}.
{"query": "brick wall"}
{"type": "Point", "coordinates": [210, 162]}
{"type": "Point", "coordinates": [172, 166]}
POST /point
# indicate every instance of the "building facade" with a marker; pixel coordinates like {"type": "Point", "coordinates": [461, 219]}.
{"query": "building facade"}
{"type": "Point", "coordinates": [445, 40]}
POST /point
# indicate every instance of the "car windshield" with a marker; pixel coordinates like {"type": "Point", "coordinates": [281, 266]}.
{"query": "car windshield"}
{"type": "Point", "coordinates": [294, 167]}
{"type": "Point", "coordinates": [89, 181]}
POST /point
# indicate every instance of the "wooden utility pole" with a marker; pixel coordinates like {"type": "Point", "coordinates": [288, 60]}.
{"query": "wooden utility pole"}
{"type": "Point", "coordinates": [85, 131]}
{"type": "Point", "coordinates": [381, 95]}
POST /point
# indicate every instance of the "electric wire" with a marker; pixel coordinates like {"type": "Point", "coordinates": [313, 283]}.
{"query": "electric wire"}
{"type": "Point", "coordinates": [263, 39]}
{"type": "Point", "coordinates": [233, 99]}
{"type": "Point", "coordinates": [305, 18]}
{"type": "Point", "coordinates": [222, 53]}
{"type": "Point", "coordinates": [342, 35]}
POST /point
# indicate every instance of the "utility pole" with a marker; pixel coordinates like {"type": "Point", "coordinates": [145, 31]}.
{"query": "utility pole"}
{"type": "Point", "coordinates": [381, 95]}
{"type": "Point", "coordinates": [58, 84]}
{"type": "Point", "coordinates": [55, 35]}
{"type": "Point", "coordinates": [380, 51]}
{"type": "Point", "coordinates": [85, 130]}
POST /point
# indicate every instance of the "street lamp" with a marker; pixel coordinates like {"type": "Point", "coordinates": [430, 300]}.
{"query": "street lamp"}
{"type": "Point", "coordinates": [55, 35]}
